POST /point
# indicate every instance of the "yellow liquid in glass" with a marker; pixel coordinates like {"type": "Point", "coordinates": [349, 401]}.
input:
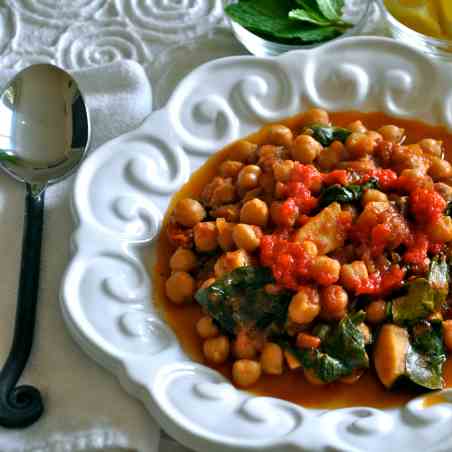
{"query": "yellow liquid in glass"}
{"type": "Point", "coordinates": [429, 17]}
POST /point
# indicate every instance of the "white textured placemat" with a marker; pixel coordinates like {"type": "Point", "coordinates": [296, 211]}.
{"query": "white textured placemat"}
{"type": "Point", "coordinates": [81, 34]}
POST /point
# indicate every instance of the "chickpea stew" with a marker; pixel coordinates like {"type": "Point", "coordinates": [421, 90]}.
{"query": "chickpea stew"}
{"type": "Point", "coordinates": [315, 254]}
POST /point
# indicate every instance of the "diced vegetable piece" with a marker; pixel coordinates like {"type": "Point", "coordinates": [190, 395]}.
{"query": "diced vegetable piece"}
{"type": "Point", "coordinates": [324, 229]}
{"type": "Point", "coordinates": [390, 353]}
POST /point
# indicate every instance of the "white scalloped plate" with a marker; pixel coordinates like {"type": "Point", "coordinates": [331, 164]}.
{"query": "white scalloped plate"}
{"type": "Point", "coordinates": [119, 198]}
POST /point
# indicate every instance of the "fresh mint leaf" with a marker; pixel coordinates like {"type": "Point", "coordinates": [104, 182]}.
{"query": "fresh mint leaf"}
{"type": "Point", "coordinates": [270, 19]}
{"type": "Point", "coordinates": [6, 156]}
{"type": "Point", "coordinates": [331, 9]}
{"type": "Point", "coordinates": [306, 16]}
{"type": "Point", "coordinates": [314, 34]}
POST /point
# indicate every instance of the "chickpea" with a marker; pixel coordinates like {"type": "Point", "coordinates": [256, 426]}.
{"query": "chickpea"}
{"type": "Point", "coordinates": [230, 261]}
{"type": "Point", "coordinates": [205, 236]}
{"type": "Point", "coordinates": [359, 145]}
{"type": "Point", "coordinates": [365, 331]}
{"type": "Point", "coordinates": [392, 133]}
{"type": "Point", "coordinates": [305, 305]}
{"type": "Point", "coordinates": [246, 236]}
{"type": "Point", "coordinates": [244, 151]}
{"type": "Point", "coordinates": [372, 195]}
{"type": "Point", "coordinates": [316, 116]}
{"type": "Point", "coordinates": [267, 182]}
{"type": "Point", "coordinates": [278, 135]}
{"type": "Point", "coordinates": [353, 274]}
{"type": "Point", "coordinates": [272, 359]}
{"type": "Point", "coordinates": [246, 372]}
{"type": "Point", "coordinates": [206, 328]}
{"type": "Point", "coordinates": [375, 136]}
{"type": "Point", "coordinates": [243, 347]}
{"type": "Point", "coordinates": [325, 270]}
{"type": "Point", "coordinates": [415, 178]}
{"type": "Point", "coordinates": [334, 301]}
{"type": "Point", "coordinates": [357, 127]}
{"type": "Point", "coordinates": [441, 230]}
{"type": "Point", "coordinates": [305, 340]}
{"type": "Point", "coordinates": [216, 349]}
{"type": "Point", "coordinates": [353, 377]}
{"type": "Point", "coordinates": [282, 170]}
{"type": "Point", "coordinates": [432, 147]}
{"type": "Point", "coordinates": [254, 212]}
{"type": "Point", "coordinates": [376, 311]}
{"type": "Point", "coordinates": [444, 190]}
{"type": "Point", "coordinates": [306, 149]}
{"type": "Point", "coordinates": [180, 287]}
{"type": "Point", "coordinates": [230, 168]}
{"type": "Point", "coordinates": [183, 260]}
{"type": "Point", "coordinates": [447, 334]}
{"type": "Point", "coordinates": [312, 378]}
{"type": "Point", "coordinates": [439, 168]}
{"type": "Point", "coordinates": [331, 156]}
{"type": "Point", "coordinates": [248, 177]}
{"type": "Point", "coordinates": [224, 238]}
{"type": "Point", "coordinates": [189, 212]}
{"type": "Point", "coordinates": [310, 247]}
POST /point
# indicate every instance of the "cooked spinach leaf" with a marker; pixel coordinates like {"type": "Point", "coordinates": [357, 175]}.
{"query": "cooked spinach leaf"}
{"type": "Point", "coordinates": [448, 210]}
{"type": "Point", "coordinates": [426, 355]}
{"type": "Point", "coordinates": [345, 194]}
{"type": "Point", "coordinates": [238, 300]}
{"type": "Point", "coordinates": [424, 295]}
{"type": "Point", "coordinates": [416, 305]}
{"type": "Point", "coordinates": [342, 350]}
{"type": "Point", "coordinates": [325, 135]}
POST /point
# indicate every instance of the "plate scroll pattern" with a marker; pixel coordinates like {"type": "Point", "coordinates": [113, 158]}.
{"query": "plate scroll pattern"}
{"type": "Point", "coordinates": [217, 103]}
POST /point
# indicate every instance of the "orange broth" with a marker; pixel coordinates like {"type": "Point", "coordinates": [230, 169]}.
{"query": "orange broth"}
{"type": "Point", "coordinates": [291, 385]}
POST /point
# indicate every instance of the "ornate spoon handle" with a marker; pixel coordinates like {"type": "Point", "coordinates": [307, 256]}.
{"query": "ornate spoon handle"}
{"type": "Point", "coordinates": [22, 405]}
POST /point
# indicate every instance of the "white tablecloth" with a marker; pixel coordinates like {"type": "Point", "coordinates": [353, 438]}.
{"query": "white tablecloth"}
{"type": "Point", "coordinates": [80, 34]}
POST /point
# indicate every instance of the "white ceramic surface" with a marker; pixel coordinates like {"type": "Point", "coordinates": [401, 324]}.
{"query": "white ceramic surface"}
{"type": "Point", "coordinates": [122, 191]}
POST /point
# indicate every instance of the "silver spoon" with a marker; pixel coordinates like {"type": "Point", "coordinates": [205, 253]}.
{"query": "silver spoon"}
{"type": "Point", "coordinates": [44, 135]}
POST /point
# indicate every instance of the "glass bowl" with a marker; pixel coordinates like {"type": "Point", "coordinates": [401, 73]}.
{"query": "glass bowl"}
{"type": "Point", "coordinates": [441, 48]}
{"type": "Point", "coordinates": [355, 12]}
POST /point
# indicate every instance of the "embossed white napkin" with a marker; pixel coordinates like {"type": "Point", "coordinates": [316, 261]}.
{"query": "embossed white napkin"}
{"type": "Point", "coordinates": [85, 409]}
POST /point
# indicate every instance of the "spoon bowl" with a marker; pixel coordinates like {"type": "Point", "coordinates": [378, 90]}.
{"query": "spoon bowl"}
{"type": "Point", "coordinates": [44, 125]}
{"type": "Point", "coordinates": [44, 135]}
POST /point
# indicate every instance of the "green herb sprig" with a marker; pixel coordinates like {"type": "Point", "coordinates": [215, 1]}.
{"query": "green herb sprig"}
{"type": "Point", "coordinates": [291, 21]}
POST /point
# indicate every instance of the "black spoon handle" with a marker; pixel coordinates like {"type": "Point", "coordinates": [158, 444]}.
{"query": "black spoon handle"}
{"type": "Point", "coordinates": [22, 405]}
